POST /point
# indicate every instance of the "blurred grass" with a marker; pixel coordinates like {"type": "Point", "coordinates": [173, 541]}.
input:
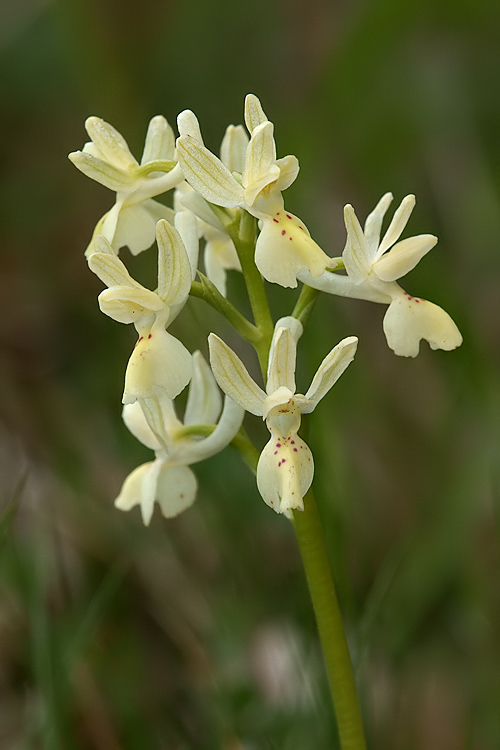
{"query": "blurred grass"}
{"type": "Point", "coordinates": [114, 636]}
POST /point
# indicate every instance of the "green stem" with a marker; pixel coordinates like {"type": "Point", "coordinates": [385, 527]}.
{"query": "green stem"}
{"type": "Point", "coordinates": [308, 529]}
{"type": "Point", "coordinates": [241, 442]}
{"type": "Point", "coordinates": [305, 303]}
{"type": "Point", "coordinates": [207, 291]}
{"type": "Point", "coordinates": [247, 449]}
{"type": "Point", "coordinates": [243, 236]}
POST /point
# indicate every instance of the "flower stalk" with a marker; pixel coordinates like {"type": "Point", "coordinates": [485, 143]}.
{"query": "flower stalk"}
{"type": "Point", "coordinates": [310, 537]}
{"type": "Point", "coordinates": [311, 541]}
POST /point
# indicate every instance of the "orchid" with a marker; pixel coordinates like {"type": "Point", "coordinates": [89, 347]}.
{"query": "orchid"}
{"type": "Point", "coordinates": [284, 246]}
{"type": "Point", "coordinates": [373, 267]}
{"type": "Point", "coordinates": [233, 202]}
{"type": "Point", "coordinates": [285, 469]}
{"type": "Point", "coordinates": [168, 480]}
{"type": "Point", "coordinates": [160, 364]}
{"type": "Point", "coordinates": [108, 160]}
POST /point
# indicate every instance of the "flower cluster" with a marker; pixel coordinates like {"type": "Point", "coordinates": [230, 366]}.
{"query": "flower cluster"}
{"type": "Point", "coordinates": [229, 203]}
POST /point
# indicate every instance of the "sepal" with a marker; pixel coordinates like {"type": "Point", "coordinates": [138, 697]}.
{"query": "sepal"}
{"type": "Point", "coordinates": [110, 144]}
{"type": "Point", "coordinates": [330, 370]}
{"type": "Point", "coordinates": [233, 377]}
{"type": "Point", "coordinates": [174, 268]}
{"type": "Point", "coordinates": [101, 171]}
{"type": "Point", "coordinates": [204, 401]}
{"type": "Point", "coordinates": [254, 114]}
{"type": "Point", "coordinates": [160, 141]}
{"type": "Point", "coordinates": [207, 174]}
{"type": "Point", "coordinates": [403, 257]}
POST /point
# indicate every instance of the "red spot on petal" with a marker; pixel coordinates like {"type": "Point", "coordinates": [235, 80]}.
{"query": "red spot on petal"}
{"type": "Point", "coordinates": [295, 449]}
{"type": "Point", "coordinates": [276, 220]}
{"type": "Point", "coordinates": [277, 213]}
{"type": "Point", "coordinates": [283, 461]}
{"type": "Point", "coordinates": [288, 216]}
{"type": "Point", "coordinates": [278, 445]}
{"type": "Point", "coordinates": [275, 452]}
{"type": "Point", "coordinates": [283, 231]}
{"type": "Point", "coordinates": [290, 239]}
{"type": "Point", "coordinates": [293, 442]}
{"type": "Point", "coordinates": [140, 339]}
{"type": "Point", "coordinates": [150, 335]}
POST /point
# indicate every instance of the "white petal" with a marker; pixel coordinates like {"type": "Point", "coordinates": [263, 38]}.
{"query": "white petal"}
{"type": "Point", "coordinates": [174, 268]}
{"type": "Point", "coordinates": [135, 421]}
{"type": "Point", "coordinates": [187, 124]}
{"type": "Point", "coordinates": [109, 223]}
{"type": "Point", "coordinates": [398, 223]}
{"type": "Point", "coordinates": [100, 171]}
{"type": "Point", "coordinates": [403, 257]}
{"type": "Point", "coordinates": [215, 268]}
{"type": "Point", "coordinates": [128, 304]}
{"type": "Point", "coordinates": [233, 377]}
{"type": "Point", "coordinates": [108, 267]}
{"type": "Point", "coordinates": [160, 141]}
{"type": "Point", "coordinates": [284, 248]}
{"type": "Point", "coordinates": [103, 245]}
{"type": "Point", "coordinates": [233, 148]}
{"type": "Point", "coordinates": [282, 359]}
{"type": "Point", "coordinates": [331, 369]}
{"type": "Point", "coordinates": [199, 207]}
{"type": "Point", "coordinates": [344, 286]}
{"type": "Point", "coordinates": [219, 256]}
{"type": "Point", "coordinates": [139, 488]}
{"type": "Point", "coordinates": [187, 226]}
{"type": "Point", "coordinates": [260, 167]}
{"type": "Point", "coordinates": [175, 490]}
{"type": "Point", "coordinates": [356, 254]}
{"type": "Point", "coordinates": [293, 324]}
{"type": "Point", "coordinates": [207, 174]}
{"type": "Point", "coordinates": [160, 416]}
{"type": "Point", "coordinates": [159, 211]}
{"type": "Point", "coordinates": [156, 184]}
{"type": "Point", "coordinates": [373, 223]}
{"type": "Point", "coordinates": [285, 473]}
{"type": "Point", "coordinates": [410, 319]}
{"type": "Point", "coordinates": [204, 401]}
{"type": "Point", "coordinates": [111, 144]}
{"type": "Point", "coordinates": [135, 228]}
{"type": "Point", "coordinates": [227, 427]}
{"type": "Point", "coordinates": [289, 169]}
{"type": "Point", "coordinates": [254, 114]}
{"type": "Point", "coordinates": [159, 365]}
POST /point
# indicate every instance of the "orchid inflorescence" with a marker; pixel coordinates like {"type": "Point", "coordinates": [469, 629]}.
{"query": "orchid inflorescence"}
{"type": "Point", "coordinates": [234, 204]}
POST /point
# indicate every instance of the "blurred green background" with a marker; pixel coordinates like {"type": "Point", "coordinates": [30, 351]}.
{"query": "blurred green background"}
{"type": "Point", "coordinates": [198, 633]}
